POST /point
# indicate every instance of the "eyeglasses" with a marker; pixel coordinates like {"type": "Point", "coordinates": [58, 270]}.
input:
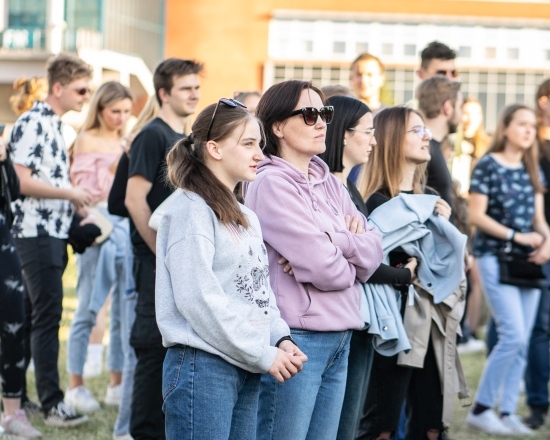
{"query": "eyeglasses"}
{"type": "Point", "coordinates": [421, 132]}
{"type": "Point", "coordinates": [230, 103]}
{"type": "Point", "coordinates": [369, 131]}
{"type": "Point", "coordinates": [310, 114]}
{"type": "Point", "coordinates": [82, 91]}
{"type": "Point", "coordinates": [452, 73]}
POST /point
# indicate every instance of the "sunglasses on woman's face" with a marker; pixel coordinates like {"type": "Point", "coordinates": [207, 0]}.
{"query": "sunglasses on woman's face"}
{"type": "Point", "coordinates": [310, 114]}
{"type": "Point", "coordinates": [230, 103]}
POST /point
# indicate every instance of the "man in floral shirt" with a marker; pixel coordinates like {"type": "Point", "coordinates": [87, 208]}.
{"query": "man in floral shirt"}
{"type": "Point", "coordinates": [42, 217]}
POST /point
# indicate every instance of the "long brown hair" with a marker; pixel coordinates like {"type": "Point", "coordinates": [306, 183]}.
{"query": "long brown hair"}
{"type": "Point", "coordinates": [530, 157]}
{"type": "Point", "coordinates": [386, 166]}
{"type": "Point", "coordinates": [187, 162]}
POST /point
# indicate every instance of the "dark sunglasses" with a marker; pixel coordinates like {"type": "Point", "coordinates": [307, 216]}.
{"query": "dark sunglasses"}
{"type": "Point", "coordinates": [230, 103]}
{"type": "Point", "coordinates": [310, 114]}
{"type": "Point", "coordinates": [453, 73]}
{"type": "Point", "coordinates": [82, 91]}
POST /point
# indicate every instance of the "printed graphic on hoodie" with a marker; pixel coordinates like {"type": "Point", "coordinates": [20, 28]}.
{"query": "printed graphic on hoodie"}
{"type": "Point", "coordinates": [254, 286]}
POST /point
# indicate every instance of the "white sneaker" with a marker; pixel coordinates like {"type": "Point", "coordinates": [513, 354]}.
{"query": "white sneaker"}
{"type": "Point", "coordinates": [81, 399]}
{"type": "Point", "coordinates": [472, 346]}
{"type": "Point", "coordinates": [514, 423]}
{"type": "Point", "coordinates": [488, 422]}
{"type": "Point", "coordinates": [113, 395]}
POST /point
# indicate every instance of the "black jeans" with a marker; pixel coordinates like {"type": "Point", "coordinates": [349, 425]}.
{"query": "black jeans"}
{"type": "Point", "coordinates": [390, 385]}
{"type": "Point", "coordinates": [11, 316]}
{"type": "Point", "coordinates": [147, 419]}
{"type": "Point", "coordinates": [43, 260]}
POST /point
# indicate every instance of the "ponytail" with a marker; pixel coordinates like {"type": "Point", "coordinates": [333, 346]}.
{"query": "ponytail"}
{"type": "Point", "coordinates": [187, 170]}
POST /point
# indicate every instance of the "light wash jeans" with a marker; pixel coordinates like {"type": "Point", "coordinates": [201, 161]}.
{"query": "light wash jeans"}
{"type": "Point", "coordinates": [127, 318]}
{"type": "Point", "coordinates": [84, 319]}
{"type": "Point", "coordinates": [514, 310]}
{"type": "Point", "coordinates": [206, 397]}
{"type": "Point", "coordinates": [307, 406]}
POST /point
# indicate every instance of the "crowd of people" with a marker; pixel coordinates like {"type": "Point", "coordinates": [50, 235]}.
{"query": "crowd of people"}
{"type": "Point", "coordinates": [306, 263]}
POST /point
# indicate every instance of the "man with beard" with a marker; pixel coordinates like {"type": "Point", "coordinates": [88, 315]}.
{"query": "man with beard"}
{"type": "Point", "coordinates": [177, 85]}
{"type": "Point", "coordinates": [440, 101]}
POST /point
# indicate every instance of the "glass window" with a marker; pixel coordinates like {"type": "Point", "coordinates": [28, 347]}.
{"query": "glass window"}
{"type": "Point", "coordinates": [361, 47]}
{"type": "Point", "coordinates": [339, 47]}
{"type": "Point", "coordinates": [513, 53]}
{"type": "Point", "coordinates": [308, 46]}
{"type": "Point", "coordinates": [465, 51]}
{"type": "Point", "coordinates": [410, 49]}
{"type": "Point", "coordinates": [27, 14]}
{"type": "Point", "coordinates": [548, 54]}
{"type": "Point", "coordinates": [387, 49]}
{"type": "Point", "coordinates": [490, 52]}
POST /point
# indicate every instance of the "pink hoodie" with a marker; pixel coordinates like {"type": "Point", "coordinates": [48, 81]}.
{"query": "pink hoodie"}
{"type": "Point", "coordinates": [303, 220]}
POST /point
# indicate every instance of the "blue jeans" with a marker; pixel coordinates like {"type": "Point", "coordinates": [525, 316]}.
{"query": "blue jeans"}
{"type": "Point", "coordinates": [206, 397]}
{"type": "Point", "coordinates": [127, 318]}
{"type": "Point", "coordinates": [514, 310]}
{"type": "Point", "coordinates": [360, 357]}
{"type": "Point", "coordinates": [84, 318]}
{"type": "Point", "coordinates": [537, 373]}
{"type": "Point", "coordinates": [308, 406]}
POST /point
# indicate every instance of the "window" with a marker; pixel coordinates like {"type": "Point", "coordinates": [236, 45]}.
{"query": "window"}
{"type": "Point", "coordinates": [513, 53]}
{"type": "Point", "coordinates": [490, 52]}
{"type": "Point", "coordinates": [361, 48]}
{"type": "Point", "coordinates": [465, 51]}
{"type": "Point", "coordinates": [387, 49]}
{"type": "Point", "coordinates": [548, 54]}
{"type": "Point", "coordinates": [410, 49]}
{"type": "Point", "coordinates": [339, 47]}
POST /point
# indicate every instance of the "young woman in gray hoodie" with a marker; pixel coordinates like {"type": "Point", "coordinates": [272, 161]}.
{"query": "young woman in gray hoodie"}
{"type": "Point", "coordinates": [215, 307]}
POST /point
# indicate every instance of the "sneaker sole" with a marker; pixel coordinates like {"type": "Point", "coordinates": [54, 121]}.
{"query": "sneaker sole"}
{"type": "Point", "coordinates": [66, 424]}
{"type": "Point", "coordinates": [479, 429]}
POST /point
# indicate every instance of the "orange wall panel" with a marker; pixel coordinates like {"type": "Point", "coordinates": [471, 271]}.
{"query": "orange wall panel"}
{"type": "Point", "coordinates": [231, 36]}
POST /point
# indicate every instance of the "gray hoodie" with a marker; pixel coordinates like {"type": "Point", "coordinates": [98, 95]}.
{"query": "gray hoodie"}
{"type": "Point", "coordinates": [212, 286]}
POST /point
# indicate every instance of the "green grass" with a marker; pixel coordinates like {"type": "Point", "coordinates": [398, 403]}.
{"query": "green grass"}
{"type": "Point", "coordinates": [101, 423]}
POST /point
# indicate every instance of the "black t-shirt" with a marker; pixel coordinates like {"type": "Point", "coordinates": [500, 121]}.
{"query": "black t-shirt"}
{"type": "Point", "coordinates": [439, 177]}
{"type": "Point", "coordinates": [356, 198]}
{"type": "Point", "coordinates": [148, 159]}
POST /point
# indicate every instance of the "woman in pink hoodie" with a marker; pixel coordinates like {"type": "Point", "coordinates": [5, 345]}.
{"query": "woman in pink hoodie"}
{"type": "Point", "coordinates": [309, 220]}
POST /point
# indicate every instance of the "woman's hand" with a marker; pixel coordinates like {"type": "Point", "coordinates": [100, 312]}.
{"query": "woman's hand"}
{"type": "Point", "coordinates": [354, 224]}
{"type": "Point", "coordinates": [442, 208]}
{"type": "Point", "coordinates": [531, 239]}
{"type": "Point", "coordinates": [293, 349]}
{"type": "Point", "coordinates": [412, 263]}
{"type": "Point", "coordinates": [285, 366]}
{"type": "Point", "coordinates": [288, 267]}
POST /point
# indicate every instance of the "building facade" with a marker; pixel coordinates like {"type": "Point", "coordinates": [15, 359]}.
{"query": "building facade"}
{"type": "Point", "coordinates": [503, 46]}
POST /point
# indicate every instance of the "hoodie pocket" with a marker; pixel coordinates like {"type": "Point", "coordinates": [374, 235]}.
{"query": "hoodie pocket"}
{"type": "Point", "coordinates": [310, 311]}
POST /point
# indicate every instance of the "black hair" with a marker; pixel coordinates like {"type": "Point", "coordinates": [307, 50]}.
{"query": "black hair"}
{"type": "Point", "coordinates": [436, 51]}
{"type": "Point", "coordinates": [347, 112]}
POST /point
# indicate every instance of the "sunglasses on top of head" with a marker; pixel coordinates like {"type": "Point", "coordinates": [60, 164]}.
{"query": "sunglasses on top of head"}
{"type": "Point", "coordinates": [230, 103]}
{"type": "Point", "coordinates": [310, 114]}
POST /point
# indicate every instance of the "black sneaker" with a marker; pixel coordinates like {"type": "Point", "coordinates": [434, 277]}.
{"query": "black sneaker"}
{"type": "Point", "coordinates": [536, 419]}
{"type": "Point", "coordinates": [31, 408]}
{"type": "Point", "coordinates": [62, 415]}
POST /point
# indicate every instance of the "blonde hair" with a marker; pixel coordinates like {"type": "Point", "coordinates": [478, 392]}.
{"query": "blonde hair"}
{"type": "Point", "coordinates": [530, 157]}
{"type": "Point", "coordinates": [386, 166]}
{"type": "Point", "coordinates": [147, 114]}
{"type": "Point", "coordinates": [26, 91]}
{"type": "Point", "coordinates": [481, 138]}
{"type": "Point", "coordinates": [107, 93]}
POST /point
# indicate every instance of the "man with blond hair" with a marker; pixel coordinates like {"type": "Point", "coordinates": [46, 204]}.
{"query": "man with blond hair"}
{"type": "Point", "coordinates": [367, 77]}
{"type": "Point", "coordinates": [42, 219]}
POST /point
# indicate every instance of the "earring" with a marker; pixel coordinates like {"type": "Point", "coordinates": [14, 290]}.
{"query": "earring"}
{"type": "Point", "coordinates": [345, 143]}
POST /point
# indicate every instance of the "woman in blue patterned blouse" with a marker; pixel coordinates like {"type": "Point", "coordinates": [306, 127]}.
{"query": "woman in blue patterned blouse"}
{"type": "Point", "coordinates": [506, 205]}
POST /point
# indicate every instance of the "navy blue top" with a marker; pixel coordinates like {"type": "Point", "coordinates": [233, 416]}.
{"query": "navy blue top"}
{"type": "Point", "coordinates": [511, 200]}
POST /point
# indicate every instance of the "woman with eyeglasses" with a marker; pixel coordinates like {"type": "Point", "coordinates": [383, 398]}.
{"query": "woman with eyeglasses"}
{"type": "Point", "coordinates": [318, 247]}
{"type": "Point", "coordinates": [397, 166]}
{"type": "Point", "coordinates": [214, 304]}
{"type": "Point", "coordinates": [350, 142]}
{"type": "Point", "coordinates": [102, 267]}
